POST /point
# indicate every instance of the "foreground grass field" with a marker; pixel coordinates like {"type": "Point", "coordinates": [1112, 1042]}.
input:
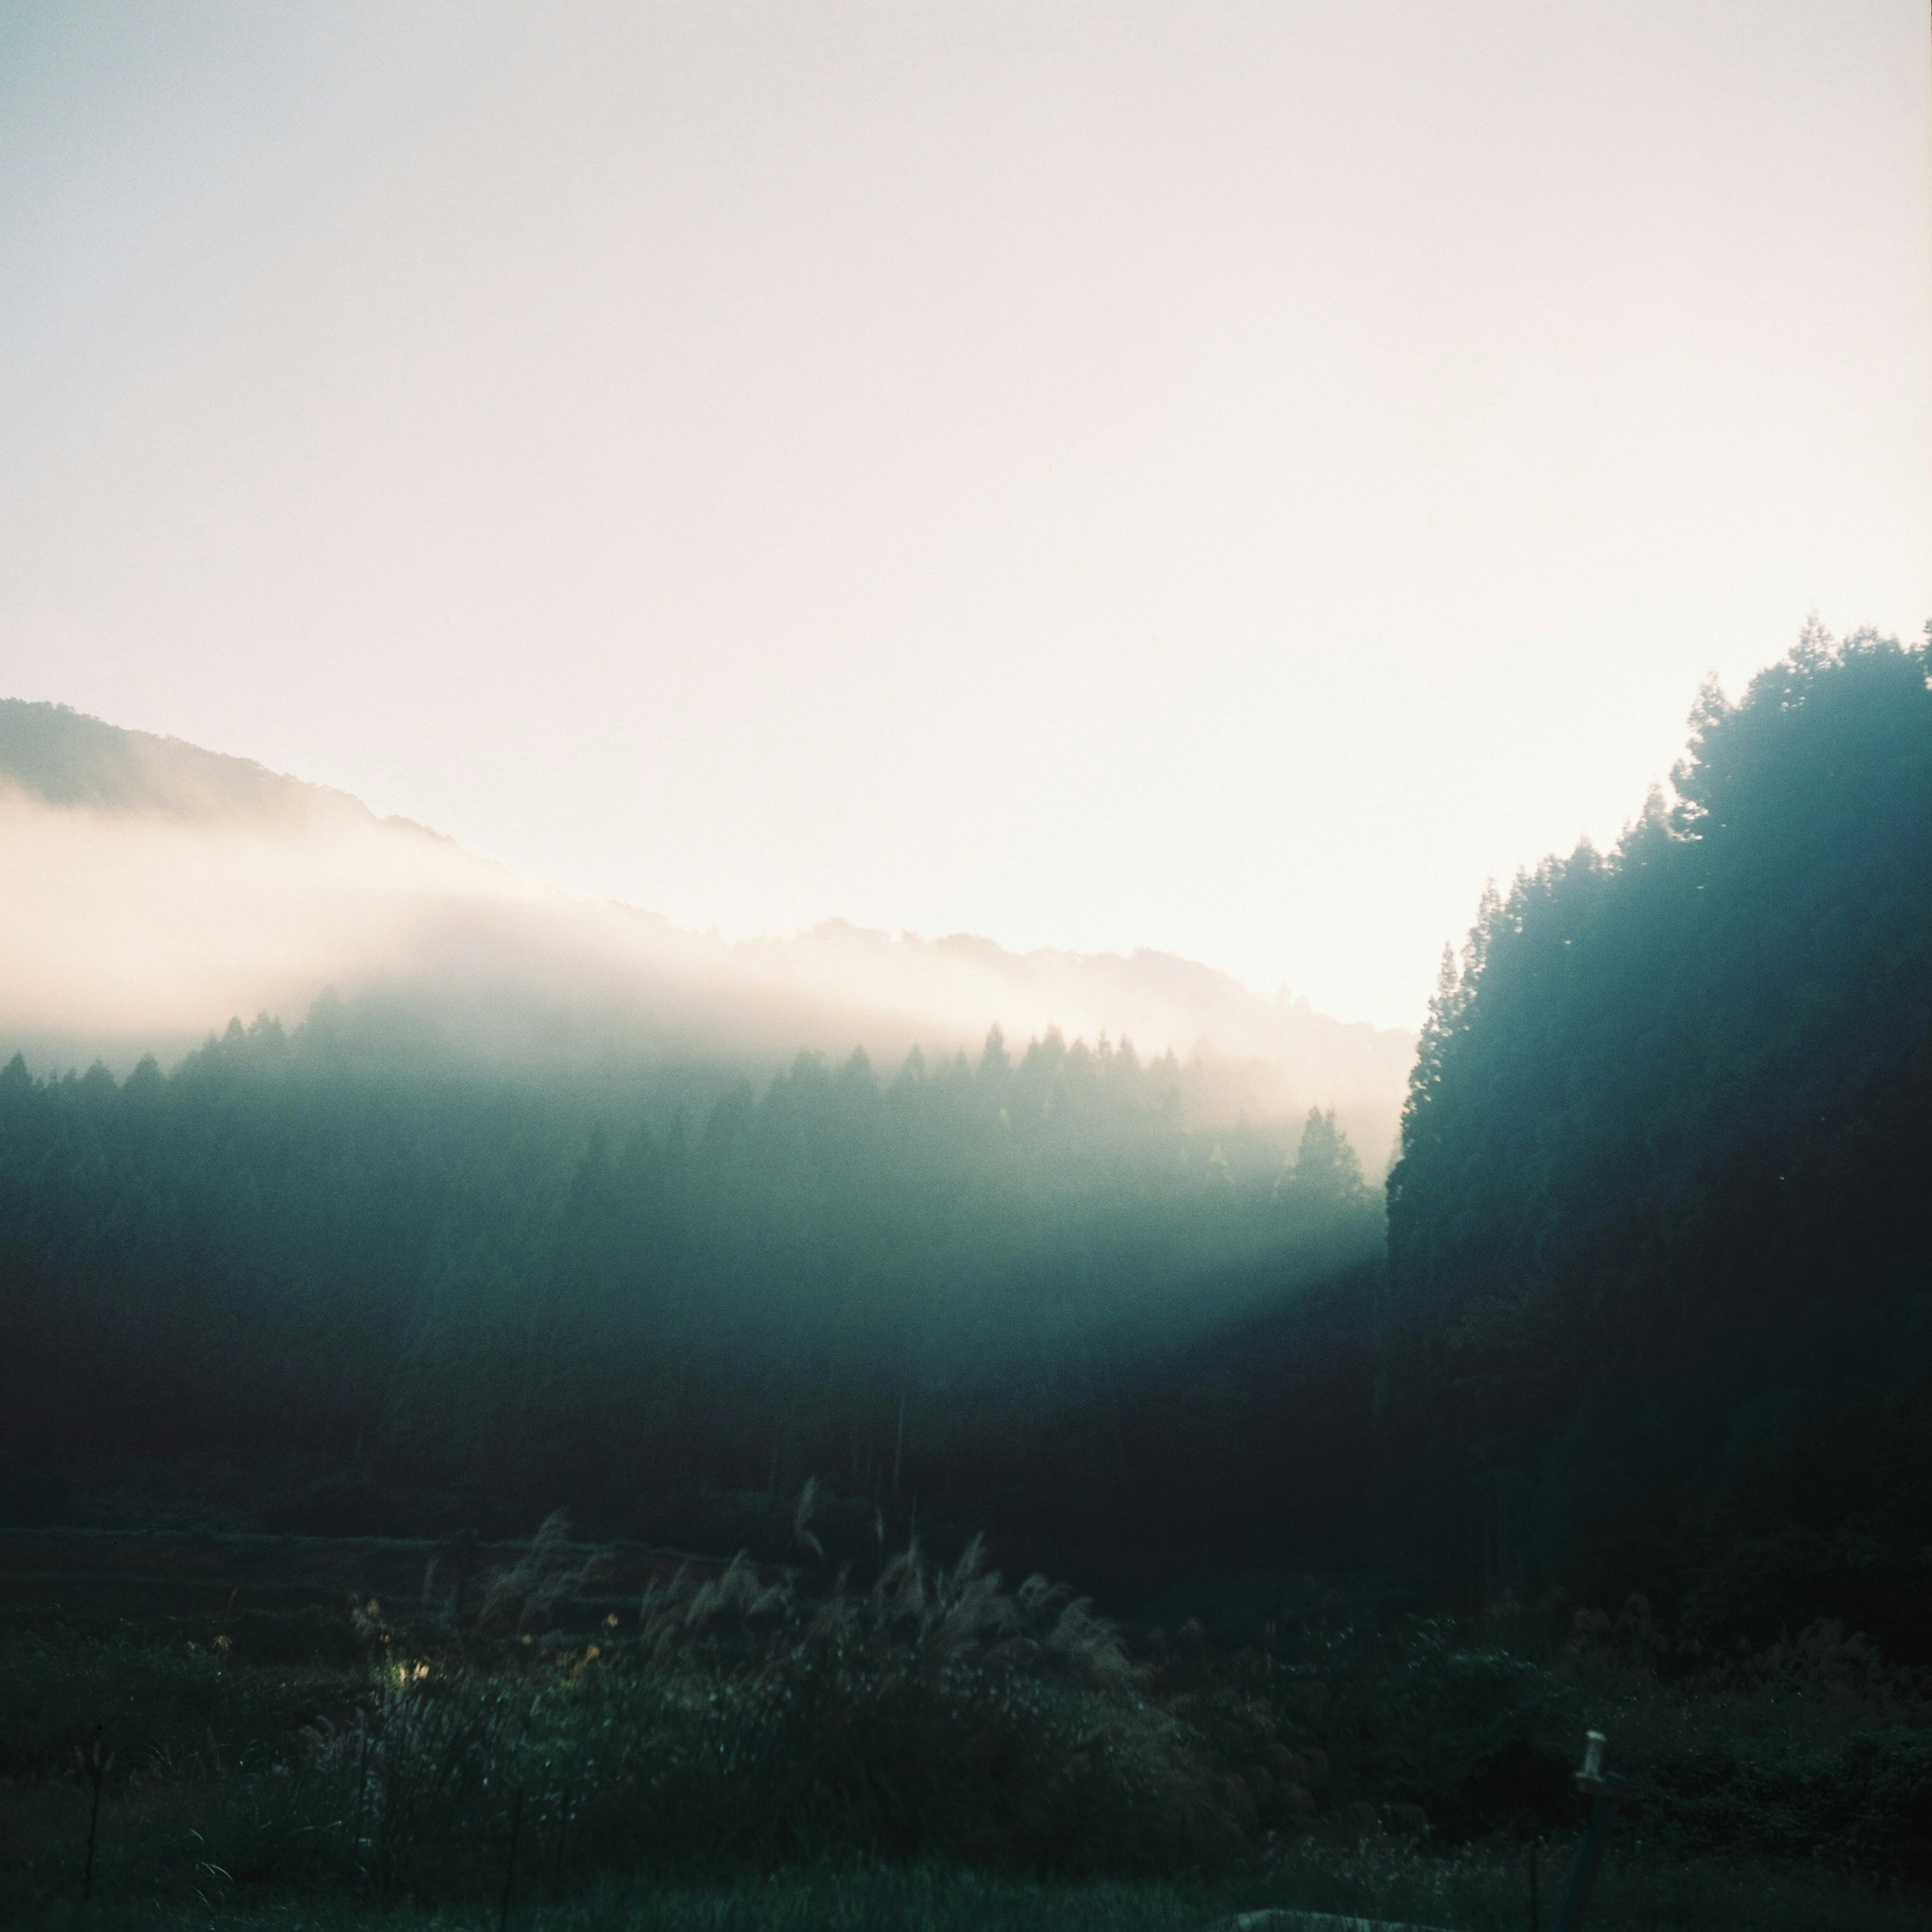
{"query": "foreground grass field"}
{"type": "Point", "coordinates": [1465, 1893]}
{"type": "Point", "coordinates": [206, 1732]}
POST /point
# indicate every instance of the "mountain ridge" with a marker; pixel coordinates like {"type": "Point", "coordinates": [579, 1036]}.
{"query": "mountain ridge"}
{"type": "Point", "coordinates": [235, 888]}
{"type": "Point", "coordinates": [72, 760]}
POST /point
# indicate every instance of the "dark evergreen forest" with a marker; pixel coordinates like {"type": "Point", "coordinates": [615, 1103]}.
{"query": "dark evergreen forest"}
{"type": "Point", "coordinates": [1659, 1269]}
{"type": "Point", "coordinates": [1648, 1305]}
{"type": "Point", "coordinates": [424, 1297]}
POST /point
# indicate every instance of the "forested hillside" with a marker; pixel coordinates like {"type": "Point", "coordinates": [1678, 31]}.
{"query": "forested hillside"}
{"type": "Point", "coordinates": [1660, 1272]}
{"type": "Point", "coordinates": [63, 757]}
{"type": "Point", "coordinates": [165, 887]}
{"type": "Point", "coordinates": [1614, 1410]}
{"type": "Point", "coordinates": [480, 1297]}
{"type": "Point", "coordinates": [1656, 1312]}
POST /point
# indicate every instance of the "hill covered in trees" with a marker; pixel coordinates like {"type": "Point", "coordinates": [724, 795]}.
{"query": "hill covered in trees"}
{"type": "Point", "coordinates": [1654, 1311]}
{"type": "Point", "coordinates": [437, 1298]}
{"type": "Point", "coordinates": [62, 757]}
{"type": "Point", "coordinates": [163, 885]}
{"type": "Point", "coordinates": [1643, 1318]}
{"type": "Point", "coordinates": [1659, 1269]}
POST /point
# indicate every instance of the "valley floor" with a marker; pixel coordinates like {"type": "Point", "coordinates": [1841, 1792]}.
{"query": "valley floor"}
{"type": "Point", "coordinates": [1471, 1892]}
{"type": "Point", "coordinates": [255, 1745]}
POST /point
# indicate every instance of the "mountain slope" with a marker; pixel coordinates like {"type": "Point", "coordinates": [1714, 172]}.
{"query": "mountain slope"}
{"type": "Point", "coordinates": [166, 887]}
{"type": "Point", "coordinates": [1660, 1294]}
{"type": "Point", "coordinates": [63, 757]}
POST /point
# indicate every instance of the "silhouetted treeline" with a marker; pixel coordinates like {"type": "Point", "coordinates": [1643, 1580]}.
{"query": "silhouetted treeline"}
{"type": "Point", "coordinates": [467, 1288]}
{"type": "Point", "coordinates": [1660, 1272]}
{"type": "Point", "coordinates": [1655, 1314]}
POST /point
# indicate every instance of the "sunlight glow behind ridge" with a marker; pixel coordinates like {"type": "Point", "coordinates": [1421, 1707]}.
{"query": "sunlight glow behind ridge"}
{"type": "Point", "coordinates": [1226, 480]}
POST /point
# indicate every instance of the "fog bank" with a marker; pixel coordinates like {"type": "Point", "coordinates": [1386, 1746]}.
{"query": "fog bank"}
{"type": "Point", "coordinates": [151, 891]}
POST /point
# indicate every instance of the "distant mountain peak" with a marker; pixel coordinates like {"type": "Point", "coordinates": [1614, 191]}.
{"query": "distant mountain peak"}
{"type": "Point", "coordinates": [168, 885]}
{"type": "Point", "coordinates": [65, 758]}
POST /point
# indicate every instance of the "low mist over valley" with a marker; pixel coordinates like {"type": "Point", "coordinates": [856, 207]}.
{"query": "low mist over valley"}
{"type": "Point", "coordinates": [169, 889]}
{"type": "Point", "coordinates": [941, 987]}
{"type": "Point", "coordinates": [544, 1213]}
{"type": "Point", "coordinates": [538, 1201]}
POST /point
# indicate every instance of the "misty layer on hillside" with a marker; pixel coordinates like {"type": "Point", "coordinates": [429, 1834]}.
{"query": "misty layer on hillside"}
{"type": "Point", "coordinates": [1643, 1307]}
{"type": "Point", "coordinates": [1640, 1321]}
{"type": "Point", "coordinates": [169, 889]}
{"type": "Point", "coordinates": [735, 745]}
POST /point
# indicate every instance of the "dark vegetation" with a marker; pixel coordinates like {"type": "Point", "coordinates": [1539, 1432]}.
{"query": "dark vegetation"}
{"type": "Point", "coordinates": [1624, 1423]}
{"type": "Point", "coordinates": [1659, 1275]}
{"type": "Point", "coordinates": [553, 1731]}
{"type": "Point", "coordinates": [419, 1303]}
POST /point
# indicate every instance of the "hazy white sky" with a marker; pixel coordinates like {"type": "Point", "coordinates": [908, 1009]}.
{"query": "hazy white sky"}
{"type": "Point", "coordinates": [1221, 477]}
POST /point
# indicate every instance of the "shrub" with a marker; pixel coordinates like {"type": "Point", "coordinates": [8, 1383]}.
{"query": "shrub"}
{"type": "Point", "coordinates": [935, 1712]}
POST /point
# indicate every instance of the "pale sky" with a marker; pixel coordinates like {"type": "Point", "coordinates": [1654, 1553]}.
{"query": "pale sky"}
{"type": "Point", "coordinates": [1223, 478]}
